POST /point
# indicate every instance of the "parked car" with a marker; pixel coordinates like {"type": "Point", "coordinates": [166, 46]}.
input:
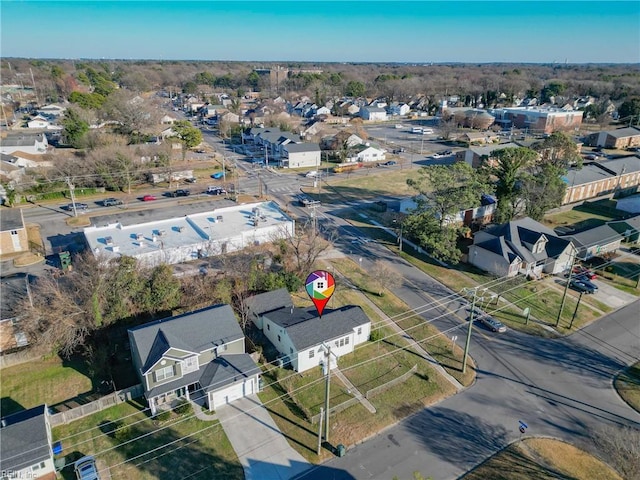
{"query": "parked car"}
{"type": "Point", "coordinates": [190, 180]}
{"type": "Point", "coordinates": [491, 323]}
{"type": "Point", "coordinates": [436, 155]}
{"type": "Point", "coordinates": [148, 198]}
{"type": "Point", "coordinates": [398, 150]}
{"type": "Point", "coordinates": [584, 272]}
{"type": "Point", "coordinates": [217, 175]}
{"type": "Point", "coordinates": [312, 174]}
{"type": "Point", "coordinates": [181, 192]}
{"type": "Point", "coordinates": [581, 286]}
{"type": "Point", "coordinates": [111, 202]}
{"type": "Point", "coordinates": [79, 206]}
{"type": "Point", "coordinates": [390, 162]}
{"type": "Point", "coordinates": [446, 153]}
{"type": "Point", "coordinates": [587, 282]}
{"type": "Point", "coordinates": [214, 190]}
{"type": "Point", "coordinates": [86, 469]}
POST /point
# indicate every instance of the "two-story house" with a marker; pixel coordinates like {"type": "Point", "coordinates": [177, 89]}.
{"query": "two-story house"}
{"type": "Point", "coordinates": [521, 246]}
{"type": "Point", "coordinates": [300, 336]}
{"type": "Point", "coordinates": [196, 356]}
{"type": "Point", "coordinates": [25, 445]}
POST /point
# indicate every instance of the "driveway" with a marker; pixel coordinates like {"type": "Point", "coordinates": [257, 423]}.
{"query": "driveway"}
{"type": "Point", "coordinates": [262, 449]}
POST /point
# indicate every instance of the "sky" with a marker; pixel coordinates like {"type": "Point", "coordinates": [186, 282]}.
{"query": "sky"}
{"type": "Point", "coordinates": [325, 31]}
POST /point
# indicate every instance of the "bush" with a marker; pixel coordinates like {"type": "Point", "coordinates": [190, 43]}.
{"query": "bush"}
{"type": "Point", "coordinates": [184, 408]}
{"type": "Point", "coordinates": [163, 416]}
{"type": "Point", "coordinates": [123, 433]}
{"type": "Point", "coordinates": [376, 335]}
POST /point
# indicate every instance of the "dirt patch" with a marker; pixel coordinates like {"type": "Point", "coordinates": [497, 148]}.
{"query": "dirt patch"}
{"type": "Point", "coordinates": [26, 259]}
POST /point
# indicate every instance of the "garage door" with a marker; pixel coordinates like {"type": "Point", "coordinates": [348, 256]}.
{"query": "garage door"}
{"type": "Point", "coordinates": [231, 393]}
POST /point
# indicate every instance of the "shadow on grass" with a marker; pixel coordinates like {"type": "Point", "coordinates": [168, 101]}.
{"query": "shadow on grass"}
{"type": "Point", "coordinates": [8, 406]}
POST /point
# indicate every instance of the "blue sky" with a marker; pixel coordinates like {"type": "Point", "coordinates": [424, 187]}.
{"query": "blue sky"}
{"type": "Point", "coordinates": [323, 30]}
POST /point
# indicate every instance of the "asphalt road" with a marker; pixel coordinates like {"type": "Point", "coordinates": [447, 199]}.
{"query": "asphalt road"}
{"type": "Point", "coordinates": [561, 388]}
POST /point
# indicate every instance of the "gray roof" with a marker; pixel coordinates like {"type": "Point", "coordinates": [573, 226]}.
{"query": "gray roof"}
{"type": "Point", "coordinates": [22, 140]}
{"type": "Point", "coordinates": [13, 289]}
{"type": "Point", "coordinates": [11, 219]}
{"type": "Point", "coordinates": [302, 147]}
{"type": "Point", "coordinates": [217, 374]}
{"type": "Point", "coordinates": [306, 329]}
{"type": "Point", "coordinates": [601, 235]}
{"type": "Point", "coordinates": [622, 165]}
{"type": "Point", "coordinates": [624, 132]}
{"type": "Point", "coordinates": [488, 149]}
{"type": "Point", "coordinates": [269, 301]}
{"type": "Point", "coordinates": [195, 332]}
{"type": "Point", "coordinates": [374, 109]}
{"type": "Point", "coordinates": [630, 223]}
{"type": "Point", "coordinates": [589, 173]}
{"type": "Point", "coordinates": [23, 439]}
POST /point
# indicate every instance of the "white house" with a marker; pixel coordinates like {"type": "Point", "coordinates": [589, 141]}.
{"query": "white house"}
{"type": "Point", "coordinates": [297, 155]}
{"type": "Point", "coordinates": [399, 109]}
{"type": "Point", "coordinates": [38, 122]}
{"type": "Point", "coordinates": [366, 153]}
{"type": "Point", "coordinates": [51, 110]}
{"type": "Point", "coordinates": [377, 114]}
{"type": "Point", "coordinates": [28, 143]}
{"type": "Point", "coordinates": [301, 337]}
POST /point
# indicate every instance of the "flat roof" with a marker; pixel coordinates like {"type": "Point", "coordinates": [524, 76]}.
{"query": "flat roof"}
{"type": "Point", "coordinates": [217, 226]}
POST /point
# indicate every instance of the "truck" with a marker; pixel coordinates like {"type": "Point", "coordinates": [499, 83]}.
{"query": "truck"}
{"type": "Point", "coordinates": [416, 129]}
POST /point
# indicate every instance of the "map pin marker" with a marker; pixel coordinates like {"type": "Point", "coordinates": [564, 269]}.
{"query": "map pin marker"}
{"type": "Point", "coordinates": [320, 285]}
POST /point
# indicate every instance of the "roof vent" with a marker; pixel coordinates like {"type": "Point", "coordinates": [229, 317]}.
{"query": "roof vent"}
{"type": "Point", "coordinates": [139, 236]}
{"type": "Point", "coordinates": [180, 228]}
{"type": "Point", "coordinates": [109, 240]}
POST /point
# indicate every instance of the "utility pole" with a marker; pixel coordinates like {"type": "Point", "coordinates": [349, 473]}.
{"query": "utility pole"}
{"type": "Point", "coordinates": [566, 287]}
{"type": "Point", "coordinates": [73, 197]}
{"type": "Point", "coordinates": [320, 431]}
{"type": "Point", "coordinates": [326, 393]}
{"type": "Point", "coordinates": [224, 170]}
{"type": "Point", "coordinates": [468, 341]}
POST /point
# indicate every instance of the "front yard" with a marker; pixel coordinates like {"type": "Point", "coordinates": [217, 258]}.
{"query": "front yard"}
{"type": "Point", "coordinates": [180, 447]}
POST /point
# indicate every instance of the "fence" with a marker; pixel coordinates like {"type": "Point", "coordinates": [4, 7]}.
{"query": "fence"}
{"type": "Point", "coordinates": [107, 401]}
{"type": "Point", "coordinates": [370, 393]}
{"type": "Point", "coordinates": [385, 386]}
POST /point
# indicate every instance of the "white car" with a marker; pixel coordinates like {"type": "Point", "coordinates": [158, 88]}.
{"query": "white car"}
{"type": "Point", "coordinates": [311, 174]}
{"type": "Point", "coordinates": [427, 131]}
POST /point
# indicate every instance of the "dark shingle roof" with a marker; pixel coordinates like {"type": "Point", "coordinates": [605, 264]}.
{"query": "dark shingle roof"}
{"type": "Point", "coordinates": [601, 235]}
{"type": "Point", "coordinates": [302, 147]}
{"type": "Point", "coordinates": [306, 329]}
{"type": "Point", "coordinates": [11, 219]}
{"type": "Point", "coordinates": [195, 332]}
{"type": "Point", "coordinates": [23, 439]}
{"type": "Point", "coordinates": [269, 301]}
{"type": "Point", "coordinates": [13, 290]}
{"type": "Point", "coordinates": [22, 140]}
{"type": "Point", "coordinates": [228, 369]}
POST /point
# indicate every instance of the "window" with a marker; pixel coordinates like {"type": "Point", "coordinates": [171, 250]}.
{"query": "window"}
{"type": "Point", "coordinates": [268, 326]}
{"type": "Point", "coordinates": [190, 364]}
{"type": "Point", "coordinates": [14, 232]}
{"type": "Point", "coordinates": [359, 330]}
{"type": "Point", "coordinates": [164, 373]}
{"type": "Point", "coordinates": [346, 341]}
{"type": "Point", "coordinates": [311, 353]}
{"type": "Point", "coordinates": [279, 338]}
{"type": "Point", "coordinates": [342, 342]}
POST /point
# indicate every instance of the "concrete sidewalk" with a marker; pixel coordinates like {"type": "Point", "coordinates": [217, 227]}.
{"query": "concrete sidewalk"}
{"type": "Point", "coordinates": [261, 447]}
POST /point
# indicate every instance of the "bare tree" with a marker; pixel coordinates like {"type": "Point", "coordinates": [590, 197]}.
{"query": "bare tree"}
{"type": "Point", "coordinates": [384, 276]}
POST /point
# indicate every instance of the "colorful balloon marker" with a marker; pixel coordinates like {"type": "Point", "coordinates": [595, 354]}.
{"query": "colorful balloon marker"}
{"type": "Point", "coordinates": [320, 286]}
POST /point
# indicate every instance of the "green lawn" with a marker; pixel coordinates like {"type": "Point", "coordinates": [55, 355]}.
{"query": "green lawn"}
{"type": "Point", "coordinates": [575, 219]}
{"type": "Point", "coordinates": [206, 454]}
{"type": "Point", "coordinates": [627, 384]}
{"type": "Point", "coordinates": [49, 381]}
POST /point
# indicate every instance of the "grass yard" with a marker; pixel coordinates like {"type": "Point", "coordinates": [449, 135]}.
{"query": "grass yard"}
{"type": "Point", "coordinates": [375, 182]}
{"type": "Point", "coordinates": [542, 459]}
{"type": "Point", "coordinates": [627, 385]}
{"type": "Point", "coordinates": [51, 380]}
{"type": "Point", "coordinates": [206, 455]}
{"type": "Point", "coordinates": [575, 219]}
{"type": "Point", "coordinates": [303, 395]}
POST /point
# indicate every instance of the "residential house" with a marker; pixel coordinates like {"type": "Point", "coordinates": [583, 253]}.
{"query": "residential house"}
{"type": "Point", "coordinates": [25, 445]}
{"type": "Point", "coordinates": [13, 233]}
{"type": "Point", "coordinates": [520, 246]}
{"type": "Point", "coordinates": [9, 171]}
{"type": "Point", "coordinates": [28, 143]}
{"type": "Point", "coordinates": [374, 114]}
{"type": "Point", "coordinates": [229, 117]}
{"type": "Point", "coordinates": [322, 111]}
{"type": "Point", "coordinates": [476, 155]}
{"type": "Point", "coordinates": [401, 109]}
{"type": "Point", "coordinates": [595, 241]}
{"type": "Point", "coordinates": [51, 110]}
{"type": "Point", "coordinates": [337, 141]}
{"type": "Point", "coordinates": [619, 138]}
{"type": "Point", "coordinates": [38, 122]}
{"type": "Point", "coordinates": [619, 176]}
{"type": "Point", "coordinates": [14, 290]}
{"type": "Point", "coordinates": [629, 228]}
{"type": "Point", "coordinates": [471, 217]}
{"type": "Point", "coordinates": [298, 155]}
{"type": "Point", "coordinates": [167, 120]}
{"type": "Point", "coordinates": [300, 335]}
{"type": "Point", "coordinates": [196, 356]}
{"type": "Point", "coordinates": [538, 119]}
{"type": "Point", "coordinates": [263, 303]}
{"type": "Point", "coordinates": [366, 153]}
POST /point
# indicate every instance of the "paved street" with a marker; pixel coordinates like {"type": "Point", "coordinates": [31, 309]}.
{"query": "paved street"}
{"type": "Point", "coordinates": [560, 388]}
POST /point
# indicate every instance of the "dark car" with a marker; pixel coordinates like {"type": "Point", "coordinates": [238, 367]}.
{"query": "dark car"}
{"type": "Point", "coordinates": [389, 163]}
{"type": "Point", "coordinates": [581, 286]}
{"type": "Point", "coordinates": [584, 279]}
{"type": "Point", "coordinates": [86, 469]}
{"type": "Point", "coordinates": [398, 150]}
{"type": "Point", "coordinates": [181, 192]}
{"type": "Point", "coordinates": [446, 152]}
{"type": "Point", "coordinates": [79, 206]}
{"type": "Point", "coordinates": [190, 180]}
{"type": "Point", "coordinates": [111, 202]}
